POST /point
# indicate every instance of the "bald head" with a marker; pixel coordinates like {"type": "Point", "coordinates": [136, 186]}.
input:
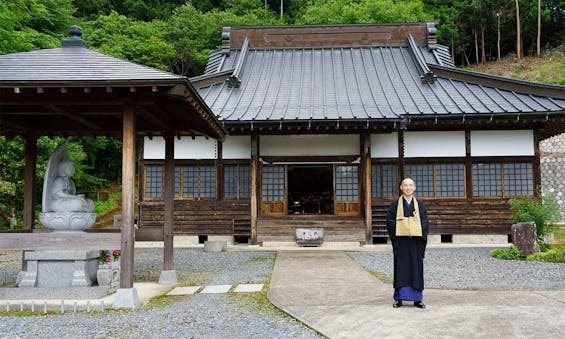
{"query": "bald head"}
{"type": "Point", "coordinates": [408, 186]}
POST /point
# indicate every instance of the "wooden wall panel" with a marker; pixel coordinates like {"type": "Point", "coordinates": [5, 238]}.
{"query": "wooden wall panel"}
{"type": "Point", "coordinates": [477, 216]}
{"type": "Point", "coordinates": [194, 217]}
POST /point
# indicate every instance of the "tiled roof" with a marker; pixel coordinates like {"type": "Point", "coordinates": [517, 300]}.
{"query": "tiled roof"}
{"type": "Point", "coordinates": [366, 82]}
{"type": "Point", "coordinates": [75, 64]}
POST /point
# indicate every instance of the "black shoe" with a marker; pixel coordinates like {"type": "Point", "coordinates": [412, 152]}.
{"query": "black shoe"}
{"type": "Point", "coordinates": [397, 303]}
{"type": "Point", "coordinates": [419, 304]}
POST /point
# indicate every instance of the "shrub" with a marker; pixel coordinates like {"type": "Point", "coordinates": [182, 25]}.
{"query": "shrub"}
{"type": "Point", "coordinates": [555, 255]}
{"type": "Point", "coordinates": [543, 210]}
{"type": "Point", "coordinates": [510, 253]}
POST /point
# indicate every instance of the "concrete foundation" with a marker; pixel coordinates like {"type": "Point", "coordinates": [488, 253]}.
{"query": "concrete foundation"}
{"type": "Point", "coordinates": [227, 238]}
{"type": "Point", "coordinates": [168, 277]}
{"type": "Point", "coordinates": [126, 298]}
{"type": "Point", "coordinates": [480, 239]}
{"type": "Point", "coordinates": [214, 246]}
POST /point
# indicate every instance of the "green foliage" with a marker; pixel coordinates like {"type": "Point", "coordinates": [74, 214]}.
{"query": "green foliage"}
{"type": "Point", "coordinates": [31, 24]}
{"type": "Point", "coordinates": [543, 210]}
{"type": "Point", "coordinates": [102, 207]}
{"type": "Point", "coordinates": [363, 11]}
{"type": "Point", "coordinates": [510, 253]}
{"type": "Point", "coordinates": [555, 255]}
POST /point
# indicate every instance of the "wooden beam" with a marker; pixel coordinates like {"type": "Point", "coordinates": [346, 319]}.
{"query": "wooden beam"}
{"type": "Point", "coordinates": [254, 185]}
{"type": "Point", "coordinates": [56, 240]}
{"type": "Point", "coordinates": [168, 200]}
{"type": "Point", "coordinates": [29, 180]}
{"type": "Point", "coordinates": [73, 117]}
{"type": "Point", "coordinates": [128, 195]}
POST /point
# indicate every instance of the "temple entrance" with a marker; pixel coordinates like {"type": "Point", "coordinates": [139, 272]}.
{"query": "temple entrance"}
{"type": "Point", "coordinates": [310, 189]}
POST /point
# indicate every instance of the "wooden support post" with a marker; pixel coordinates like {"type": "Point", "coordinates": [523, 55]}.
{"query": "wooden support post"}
{"type": "Point", "coordinates": [537, 163]}
{"type": "Point", "coordinates": [168, 200]}
{"type": "Point", "coordinates": [128, 195]}
{"type": "Point", "coordinates": [29, 180]}
{"type": "Point", "coordinates": [366, 161]}
{"type": "Point", "coordinates": [254, 185]}
{"type": "Point", "coordinates": [468, 166]}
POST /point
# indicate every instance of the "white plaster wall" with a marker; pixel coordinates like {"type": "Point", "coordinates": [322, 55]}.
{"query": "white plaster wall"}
{"type": "Point", "coordinates": [502, 143]}
{"type": "Point", "coordinates": [237, 147]}
{"type": "Point", "coordinates": [309, 145]}
{"type": "Point", "coordinates": [185, 148]}
{"type": "Point", "coordinates": [434, 144]}
{"type": "Point", "coordinates": [384, 145]}
{"type": "Point", "coordinates": [154, 148]}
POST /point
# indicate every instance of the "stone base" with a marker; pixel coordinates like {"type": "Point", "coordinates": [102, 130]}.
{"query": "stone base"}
{"type": "Point", "coordinates": [46, 269]}
{"type": "Point", "coordinates": [227, 238]}
{"type": "Point", "coordinates": [26, 293]}
{"type": "Point", "coordinates": [214, 246]}
{"type": "Point", "coordinates": [168, 277]}
{"type": "Point", "coordinates": [185, 240]}
{"type": "Point", "coordinates": [126, 298]}
{"type": "Point", "coordinates": [480, 239]}
{"type": "Point", "coordinates": [432, 239]}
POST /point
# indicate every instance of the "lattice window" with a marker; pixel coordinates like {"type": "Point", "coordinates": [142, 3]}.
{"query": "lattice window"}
{"type": "Point", "coordinates": [438, 180]}
{"type": "Point", "coordinates": [272, 182]}
{"type": "Point", "coordinates": [197, 181]}
{"type": "Point", "coordinates": [423, 175]}
{"type": "Point", "coordinates": [487, 180]}
{"type": "Point", "coordinates": [450, 180]}
{"type": "Point", "coordinates": [518, 179]}
{"type": "Point", "coordinates": [506, 180]}
{"type": "Point", "coordinates": [384, 181]}
{"type": "Point", "coordinates": [347, 183]}
{"type": "Point", "coordinates": [237, 181]}
{"type": "Point", "coordinates": [153, 181]}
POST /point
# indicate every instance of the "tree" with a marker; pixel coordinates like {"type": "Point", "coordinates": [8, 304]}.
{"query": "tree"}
{"type": "Point", "coordinates": [518, 32]}
{"type": "Point", "coordinates": [539, 29]}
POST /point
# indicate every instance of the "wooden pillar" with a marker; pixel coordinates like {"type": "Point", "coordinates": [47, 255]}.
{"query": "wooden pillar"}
{"type": "Point", "coordinates": [367, 181]}
{"type": "Point", "coordinates": [468, 166]}
{"type": "Point", "coordinates": [537, 163]}
{"type": "Point", "coordinates": [254, 185]}
{"type": "Point", "coordinates": [128, 195]}
{"type": "Point", "coordinates": [169, 200]}
{"type": "Point", "coordinates": [402, 160]}
{"type": "Point", "coordinates": [29, 180]}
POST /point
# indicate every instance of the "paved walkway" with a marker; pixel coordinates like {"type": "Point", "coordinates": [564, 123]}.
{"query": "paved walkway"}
{"type": "Point", "coordinates": [333, 294]}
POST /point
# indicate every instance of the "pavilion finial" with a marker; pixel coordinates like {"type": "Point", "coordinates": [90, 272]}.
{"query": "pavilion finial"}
{"type": "Point", "coordinates": [75, 40]}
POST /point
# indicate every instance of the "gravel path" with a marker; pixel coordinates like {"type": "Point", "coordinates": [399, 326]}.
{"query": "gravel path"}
{"type": "Point", "coordinates": [472, 268]}
{"type": "Point", "coordinates": [250, 315]}
{"type": "Point", "coordinates": [196, 316]}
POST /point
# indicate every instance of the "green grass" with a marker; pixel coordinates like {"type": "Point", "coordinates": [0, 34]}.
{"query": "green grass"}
{"type": "Point", "coordinates": [102, 207]}
{"type": "Point", "coordinates": [554, 255]}
{"type": "Point", "coordinates": [381, 276]}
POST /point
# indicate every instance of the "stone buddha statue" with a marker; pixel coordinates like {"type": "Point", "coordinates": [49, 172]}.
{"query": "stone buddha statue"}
{"type": "Point", "coordinates": [63, 191]}
{"type": "Point", "coordinates": [63, 209]}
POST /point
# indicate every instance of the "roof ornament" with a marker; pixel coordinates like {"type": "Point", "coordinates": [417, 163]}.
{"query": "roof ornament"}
{"type": "Point", "coordinates": [426, 74]}
{"type": "Point", "coordinates": [235, 79]}
{"type": "Point", "coordinates": [226, 40]}
{"type": "Point", "coordinates": [431, 35]}
{"type": "Point", "coordinates": [75, 40]}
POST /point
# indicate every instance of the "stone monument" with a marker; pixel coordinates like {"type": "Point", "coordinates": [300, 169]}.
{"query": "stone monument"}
{"type": "Point", "coordinates": [524, 236]}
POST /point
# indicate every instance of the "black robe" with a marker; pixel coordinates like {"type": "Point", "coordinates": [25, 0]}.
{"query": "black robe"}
{"type": "Point", "coordinates": [408, 251]}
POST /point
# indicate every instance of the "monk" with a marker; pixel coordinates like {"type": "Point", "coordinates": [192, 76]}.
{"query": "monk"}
{"type": "Point", "coordinates": [408, 227]}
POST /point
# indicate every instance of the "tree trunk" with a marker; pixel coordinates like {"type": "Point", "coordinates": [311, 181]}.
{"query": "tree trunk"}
{"type": "Point", "coordinates": [483, 52]}
{"type": "Point", "coordinates": [476, 47]}
{"type": "Point", "coordinates": [518, 32]}
{"type": "Point", "coordinates": [539, 28]}
{"type": "Point", "coordinates": [498, 37]}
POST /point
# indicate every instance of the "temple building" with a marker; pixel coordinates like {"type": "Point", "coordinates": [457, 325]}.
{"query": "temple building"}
{"type": "Point", "coordinates": [323, 123]}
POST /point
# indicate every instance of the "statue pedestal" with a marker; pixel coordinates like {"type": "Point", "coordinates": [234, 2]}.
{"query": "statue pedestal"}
{"type": "Point", "coordinates": [59, 269]}
{"type": "Point", "coordinates": [67, 221]}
